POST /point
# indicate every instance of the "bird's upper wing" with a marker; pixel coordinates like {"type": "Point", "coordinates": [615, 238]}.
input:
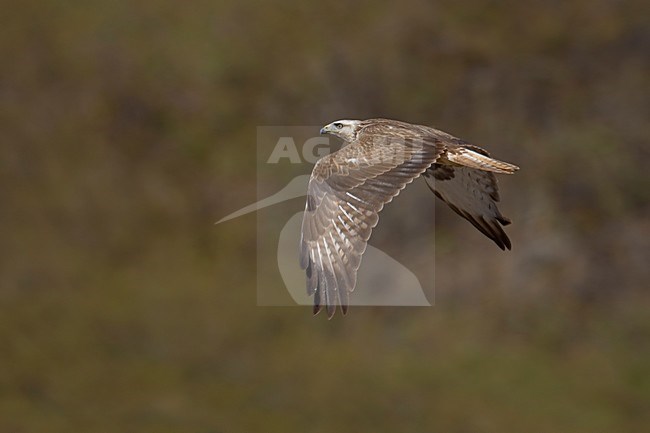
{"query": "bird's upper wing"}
{"type": "Point", "coordinates": [346, 192]}
{"type": "Point", "coordinates": [472, 192]}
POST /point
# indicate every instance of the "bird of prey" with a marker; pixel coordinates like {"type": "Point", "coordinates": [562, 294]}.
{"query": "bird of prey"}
{"type": "Point", "coordinates": [348, 188]}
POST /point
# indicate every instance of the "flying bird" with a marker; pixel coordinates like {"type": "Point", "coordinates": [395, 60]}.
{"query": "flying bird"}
{"type": "Point", "coordinates": [349, 188]}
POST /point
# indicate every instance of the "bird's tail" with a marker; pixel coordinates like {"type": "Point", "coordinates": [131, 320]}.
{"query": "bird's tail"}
{"type": "Point", "coordinates": [472, 159]}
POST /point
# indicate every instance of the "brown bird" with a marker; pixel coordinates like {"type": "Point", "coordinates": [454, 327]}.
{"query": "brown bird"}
{"type": "Point", "coordinates": [349, 188]}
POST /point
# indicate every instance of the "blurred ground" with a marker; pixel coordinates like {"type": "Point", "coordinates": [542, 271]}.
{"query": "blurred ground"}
{"type": "Point", "coordinates": [127, 129]}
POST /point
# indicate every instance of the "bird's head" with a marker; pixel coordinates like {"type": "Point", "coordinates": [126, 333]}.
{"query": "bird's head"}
{"type": "Point", "coordinates": [346, 130]}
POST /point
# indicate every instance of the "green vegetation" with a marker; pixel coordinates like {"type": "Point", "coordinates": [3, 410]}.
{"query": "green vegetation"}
{"type": "Point", "coordinates": [128, 128]}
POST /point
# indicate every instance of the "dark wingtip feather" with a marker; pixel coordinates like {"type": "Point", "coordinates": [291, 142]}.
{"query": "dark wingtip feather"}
{"type": "Point", "coordinates": [507, 243]}
{"type": "Point", "coordinates": [316, 308]}
{"type": "Point", "coordinates": [490, 229]}
{"type": "Point", "coordinates": [331, 309]}
{"type": "Point", "coordinates": [503, 220]}
{"type": "Point", "coordinates": [498, 235]}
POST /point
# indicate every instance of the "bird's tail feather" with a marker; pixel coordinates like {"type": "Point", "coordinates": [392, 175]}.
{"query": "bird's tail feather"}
{"type": "Point", "coordinates": [472, 159]}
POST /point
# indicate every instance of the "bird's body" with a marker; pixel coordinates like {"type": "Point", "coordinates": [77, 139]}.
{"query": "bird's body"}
{"type": "Point", "coordinates": [349, 188]}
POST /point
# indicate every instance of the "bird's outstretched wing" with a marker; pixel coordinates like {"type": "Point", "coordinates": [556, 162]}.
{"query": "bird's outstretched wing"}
{"type": "Point", "coordinates": [471, 191]}
{"type": "Point", "coordinates": [346, 192]}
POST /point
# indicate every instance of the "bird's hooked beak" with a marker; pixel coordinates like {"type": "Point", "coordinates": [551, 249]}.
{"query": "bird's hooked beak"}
{"type": "Point", "coordinates": [326, 129]}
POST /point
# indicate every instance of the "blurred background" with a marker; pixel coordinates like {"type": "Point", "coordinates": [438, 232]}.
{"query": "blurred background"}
{"type": "Point", "coordinates": [128, 128]}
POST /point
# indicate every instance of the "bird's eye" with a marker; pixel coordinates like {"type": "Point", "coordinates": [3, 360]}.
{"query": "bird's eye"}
{"type": "Point", "coordinates": [338, 125]}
